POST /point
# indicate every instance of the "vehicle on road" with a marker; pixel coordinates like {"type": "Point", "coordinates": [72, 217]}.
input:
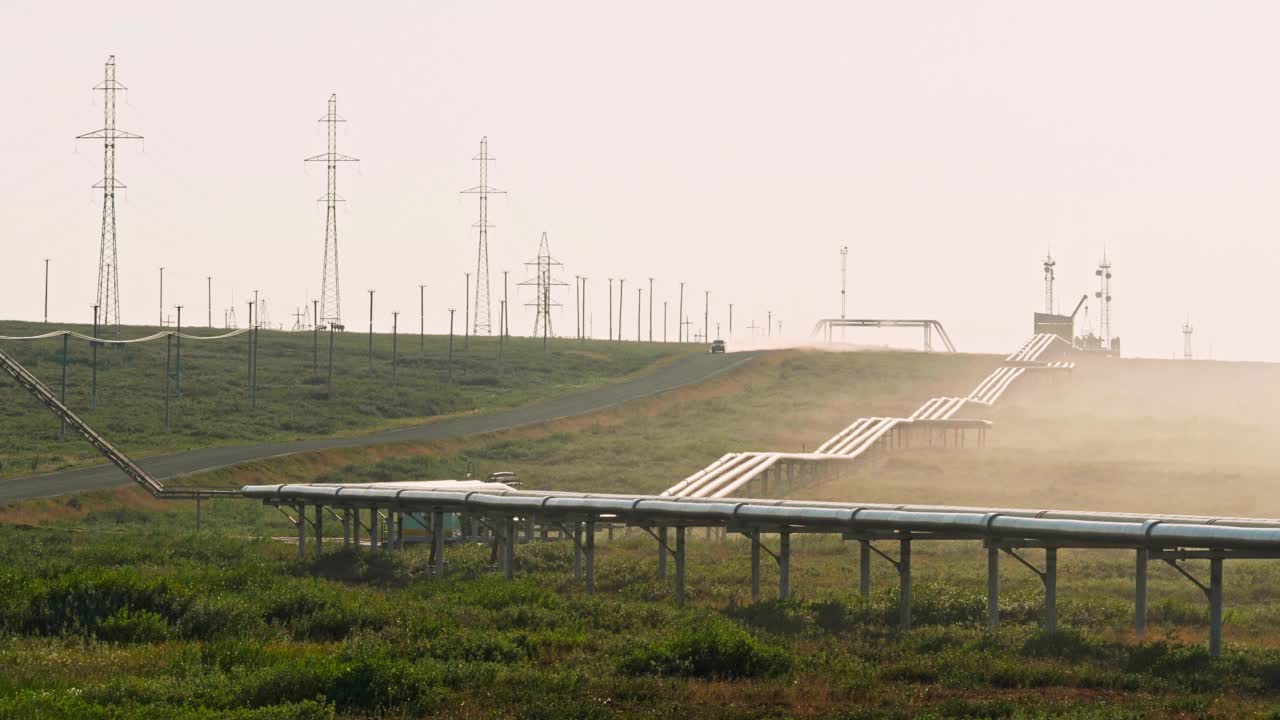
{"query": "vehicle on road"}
{"type": "Point", "coordinates": [717, 346]}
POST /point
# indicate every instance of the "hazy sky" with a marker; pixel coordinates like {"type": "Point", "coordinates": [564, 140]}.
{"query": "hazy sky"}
{"type": "Point", "coordinates": [734, 145]}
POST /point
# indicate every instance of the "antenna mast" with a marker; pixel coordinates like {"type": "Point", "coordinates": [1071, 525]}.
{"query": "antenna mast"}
{"type": "Point", "coordinates": [482, 254]}
{"type": "Point", "coordinates": [1048, 282]}
{"type": "Point", "coordinates": [330, 299]}
{"type": "Point", "coordinates": [1104, 299]}
{"type": "Point", "coordinates": [1187, 329]}
{"type": "Point", "coordinates": [108, 296]}
{"type": "Point", "coordinates": [844, 272]}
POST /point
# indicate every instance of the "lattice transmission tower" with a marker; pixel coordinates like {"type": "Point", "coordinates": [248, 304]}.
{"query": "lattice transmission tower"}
{"type": "Point", "coordinates": [108, 295]}
{"type": "Point", "coordinates": [543, 281]}
{"type": "Point", "coordinates": [330, 296]}
{"type": "Point", "coordinates": [1104, 298]}
{"type": "Point", "coordinates": [481, 322]}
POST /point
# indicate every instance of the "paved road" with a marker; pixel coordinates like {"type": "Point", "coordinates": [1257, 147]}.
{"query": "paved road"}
{"type": "Point", "coordinates": [685, 371]}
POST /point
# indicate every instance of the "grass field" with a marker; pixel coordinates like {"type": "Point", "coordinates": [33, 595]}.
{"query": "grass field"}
{"type": "Point", "coordinates": [113, 608]}
{"type": "Point", "coordinates": [214, 406]}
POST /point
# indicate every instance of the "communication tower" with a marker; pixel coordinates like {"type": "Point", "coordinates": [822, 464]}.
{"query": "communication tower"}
{"type": "Point", "coordinates": [1187, 329]}
{"type": "Point", "coordinates": [1104, 298]}
{"type": "Point", "coordinates": [1048, 283]}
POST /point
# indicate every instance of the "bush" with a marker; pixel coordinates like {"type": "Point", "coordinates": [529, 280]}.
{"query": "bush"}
{"type": "Point", "coordinates": [712, 651]}
{"type": "Point", "coordinates": [136, 626]}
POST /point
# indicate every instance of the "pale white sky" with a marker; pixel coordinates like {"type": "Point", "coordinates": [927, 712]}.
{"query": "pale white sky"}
{"type": "Point", "coordinates": [734, 145]}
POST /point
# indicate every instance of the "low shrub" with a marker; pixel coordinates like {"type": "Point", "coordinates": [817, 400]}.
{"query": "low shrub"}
{"type": "Point", "coordinates": [714, 650]}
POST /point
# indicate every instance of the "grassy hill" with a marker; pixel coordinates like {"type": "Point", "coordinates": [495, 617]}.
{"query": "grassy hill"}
{"type": "Point", "coordinates": [292, 396]}
{"type": "Point", "coordinates": [113, 608]}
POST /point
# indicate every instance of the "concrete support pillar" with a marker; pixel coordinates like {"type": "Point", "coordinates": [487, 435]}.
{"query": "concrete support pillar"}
{"type": "Point", "coordinates": [591, 558]}
{"type": "Point", "coordinates": [864, 568]}
{"type": "Point", "coordinates": [1215, 607]}
{"type": "Point", "coordinates": [784, 566]}
{"type": "Point", "coordinates": [755, 566]}
{"type": "Point", "coordinates": [302, 531]}
{"type": "Point", "coordinates": [577, 550]}
{"type": "Point", "coordinates": [1051, 589]}
{"type": "Point", "coordinates": [319, 529]}
{"type": "Point", "coordinates": [904, 585]}
{"type": "Point", "coordinates": [680, 565]}
{"type": "Point", "coordinates": [993, 586]}
{"type": "Point", "coordinates": [1140, 594]}
{"type": "Point", "coordinates": [662, 553]}
{"type": "Point", "coordinates": [437, 540]}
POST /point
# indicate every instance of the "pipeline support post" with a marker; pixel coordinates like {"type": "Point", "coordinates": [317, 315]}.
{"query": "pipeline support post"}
{"type": "Point", "coordinates": [577, 550]}
{"type": "Point", "coordinates": [1215, 607]}
{"type": "Point", "coordinates": [904, 584]}
{"type": "Point", "coordinates": [662, 553]}
{"type": "Point", "coordinates": [755, 565]}
{"type": "Point", "coordinates": [319, 529]}
{"type": "Point", "coordinates": [437, 541]}
{"type": "Point", "coordinates": [784, 566]}
{"type": "Point", "coordinates": [1140, 594]}
{"type": "Point", "coordinates": [864, 568]}
{"type": "Point", "coordinates": [993, 585]}
{"type": "Point", "coordinates": [346, 528]}
{"type": "Point", "coordinates": [1051, 589]}
{"type": "Point", "coordinates": [680, 532]}
{"type": "Point", "coordinates": [591, 557]}
{"type": "Point", "coordinates": [302, 531]}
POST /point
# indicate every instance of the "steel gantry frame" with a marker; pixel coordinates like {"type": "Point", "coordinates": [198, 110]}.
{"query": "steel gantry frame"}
{"type": "Point", "coordinates": [826, 325]}
{"type": "Point", "coordinates": [1009, 531]}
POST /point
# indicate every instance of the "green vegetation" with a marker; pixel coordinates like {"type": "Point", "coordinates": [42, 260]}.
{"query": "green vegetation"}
{"type": "Point", "coordinates": [141, 624]}
{"type": "Point", "coordinates": [214, 407]}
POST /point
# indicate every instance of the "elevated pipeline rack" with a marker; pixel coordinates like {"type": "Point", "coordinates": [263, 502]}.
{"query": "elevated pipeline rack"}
{"type": "Point", "coordinates": [126, 464]}
{"type": "Point", "coordinates": [826, 325]}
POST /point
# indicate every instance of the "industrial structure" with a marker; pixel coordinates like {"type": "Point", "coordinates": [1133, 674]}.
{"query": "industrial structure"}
{"type": "Point", "coordinates": [825, 326]}
{"type": "Point", "coordinates": [543, 280]}
{"type": "Point", "coordinates": [483, 191]}
{"type": "Point", "coordinates": [1187, 329]}
{"type": "Point", "coordinates": [107, 297]}
{"type": "Point", "coordinates": [330, 295]}
{"type": "Point", "coordinates": [1048, 282]}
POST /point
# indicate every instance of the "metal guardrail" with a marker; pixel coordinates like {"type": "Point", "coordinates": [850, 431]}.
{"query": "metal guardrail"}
{"type": "Point", "coordinates": [42, 393]}
{"type": "Point", "coordinates": [1170, 538]}
{"type": "Point", "coordinates": [737, 472]}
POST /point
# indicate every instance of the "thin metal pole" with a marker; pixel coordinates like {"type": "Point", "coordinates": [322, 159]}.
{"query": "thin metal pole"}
{"type": "Point", "coordinates": [1051, 589]}
{"type": "Point", "coordinates": [591, 558]}
{"type": "Point", "coordinates": [1215, 607]}
{"type": "Point", "coordinates": [371, 330]}
{"type": "Point", "coordinates": [755, 566]}
{"type": "Point", "coordinates": [904, 585]}
{"type": "Point", "coordinates": [62, 424]}
{"type": "Point", "coordinates": [248, 354]}
{"type": "Point", "coordinates": [610, 308]}
{"type": "Point", "coordinates": [650, 309]}
{"type": "Point", "coordinates": [395, 349]}
{"type": "Point", "coordinates": [93, 386]}
{"type": "Point", "coordinates": [46, 291]}
{"type": "Point", "coordinates": [451, 311]}
{"type": "Point", "coordinates": [621, 282]}
{"type": "Point", "coordinates": [253, 397]}
{"type": "Point", "coordinates": [993, 586]}
{"type": "Point", "coordinates": [177, 379]}
{"type": "Point", "coordinates": [302, 531]}
{"type": "Point", "coordinates": [422, 319]}
{"type": "Point", "coordinates": [784, 566]}
{"type": "Point", "coordinates": [1140, 593]}
{"type": "Point", "coordinates": [864, 568]}
{"type": "Point", "coordinates": [502, 314]}
{"type": "Point", "coordinates": [168, 351]}
{"type": "Point", "coordinates": [315, 337]}
{"type": "Point", "coordinates": [331, 331]}
{"type": "Point", "coordinates": [466, 316]}
{"type": "Point", "coordinates": [662, 553]}
{"type": "Point", "coordinates": [680, 565]}
{"type": "Point", "coordinates": [680, 316]}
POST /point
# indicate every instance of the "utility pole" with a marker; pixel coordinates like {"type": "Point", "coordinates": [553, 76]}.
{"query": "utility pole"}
{"type": "Point", "coordinates": [315, 338]}
{"type": "Point", "coordinates": [585, 330]}
{"type": "Point", "coordinates": [209, 302]}
{"type": "Point", "coordinates": [93, 387]}
{"type": "Point", "coordinates": [543, 282]}
{"type": "Point", "coordinates": [680, 329]}
{"type": "Point", "coordinates": [706, 317]}
{"type": "Point", "coordinates": [620, 282]}
{"type": "Point", "coordinates": [650, 309]}
{"type": "Point", "coordinates": [330, 298]}
{"type": "Point", "coordinates": [371, 330]}
{"type": "Point", "coordinates": [506, 319]}
{"type": "Point", "coordinates": [664, 321]}
{"type": "Point", "coordinates": [639, 307]}
{"type": "Point", "coordinates": [162, 297]}
{"type": "Point", "coordinates": [451, 344]}
{"type": "Point", "coordinates": [466, 316]}
{"type": "Point", "coordinates": [108, 297]}
{"type": "Point", "coordinates": [46, 291]}
{"type": "Point", "coordinates": [577, 305]}
{"type": "Point", "coordinates": [331, 332]}
{"type": "Point", "coordinates": [610, 308]}
{"type": "Point", "coordinates": [395, 350]}
{"type": "Point", "coordinates": [769, 325]}
{"type": "Point", "coordinates": [422, 320]}
{"type": "Point", "coordinates": [730, 320]}
{"type": "Point", "coordinates": [483, 190]}
{"type": "Point", "coordinates": [178, 357]}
